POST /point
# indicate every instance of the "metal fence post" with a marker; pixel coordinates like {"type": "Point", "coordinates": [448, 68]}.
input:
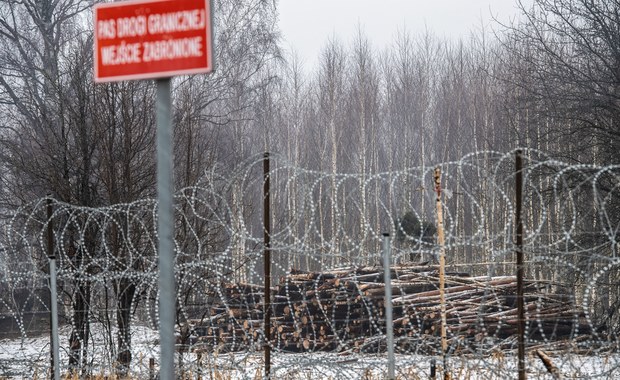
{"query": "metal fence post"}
{"type": "Point", "coordinates": [165, 229]}
{"type": "Point", "coordinates": [267, 263]}
{"type": "Point", "coordinates": [389, 318]}
{"type": "Point", "coordinates": [53, 295]}
{"type": "Point", "coordinates": [520, 265]}
{"type": "Point", "coordinates": [53, 301]}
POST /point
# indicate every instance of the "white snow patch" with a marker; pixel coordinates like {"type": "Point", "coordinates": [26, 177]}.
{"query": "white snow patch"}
{"type": "Point", "coordinates": [27, 358]}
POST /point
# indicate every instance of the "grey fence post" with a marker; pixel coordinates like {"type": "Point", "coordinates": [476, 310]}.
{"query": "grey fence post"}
{"type": "Point", "coordinates": [54, 304]}
{"type": "Point", "coordinates": [165, 227]}
{"type": "Point", "coordinates": [389, 318]}
{"type": "Point", "coordinates": [54, 343]}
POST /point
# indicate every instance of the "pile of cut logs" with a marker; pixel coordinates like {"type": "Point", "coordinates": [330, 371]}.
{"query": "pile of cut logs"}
{"type": "Point", "coordinates": [343, 310]}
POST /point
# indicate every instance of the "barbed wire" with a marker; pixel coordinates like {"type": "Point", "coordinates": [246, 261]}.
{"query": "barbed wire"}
{"type": "Point", "coordinates": [327, 285]}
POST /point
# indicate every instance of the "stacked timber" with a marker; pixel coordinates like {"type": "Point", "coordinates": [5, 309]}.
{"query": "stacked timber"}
{"type": "Point", "coordinates": [344, 310]}
{"type": "Point", "coordinates": [232, 323]}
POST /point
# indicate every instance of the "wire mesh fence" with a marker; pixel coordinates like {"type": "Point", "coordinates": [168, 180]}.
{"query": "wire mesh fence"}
{"type": "Point", "coordinates": [327, 293]}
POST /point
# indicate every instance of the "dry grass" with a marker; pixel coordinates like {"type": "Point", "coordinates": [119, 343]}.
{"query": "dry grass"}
{"type": "Point", "coordinates": [214, 367]}
{"type": "Point", "coordinates": [212, 371]}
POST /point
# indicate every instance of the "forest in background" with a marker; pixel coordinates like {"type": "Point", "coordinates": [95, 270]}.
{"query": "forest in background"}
{"type": "Point", "coordinates": [549, 81]}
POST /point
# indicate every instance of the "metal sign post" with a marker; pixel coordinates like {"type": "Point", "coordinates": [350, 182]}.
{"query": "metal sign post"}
{"type": "Point", "coordinates": [140, 39]}
{"type": "Point", "coordinates": [165, 228]}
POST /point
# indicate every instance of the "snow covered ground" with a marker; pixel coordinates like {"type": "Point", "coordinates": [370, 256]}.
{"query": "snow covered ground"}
{"type": "Point", "coordinates": [29, 358]}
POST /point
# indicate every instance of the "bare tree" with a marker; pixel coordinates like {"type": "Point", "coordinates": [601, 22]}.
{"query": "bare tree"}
{"type": "Point", "coordinates": [47, 96]}
{"type": "Point", "coordinates": [93, 145]}
{"type": "Point", "coordinates": [331, 98]}
{"type": "Point", "coordinates": [563, 62]}
{"type": "Point", "coordinates": [571, 55]}
{"type": "Point", "coordinates": [362, 147]}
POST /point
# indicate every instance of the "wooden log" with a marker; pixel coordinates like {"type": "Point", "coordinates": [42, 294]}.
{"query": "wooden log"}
{"type": "Point", "coordinates": [548, 363]}
{"type": "Point", "coordinates": [319, 310]}
{"type": "Point", "coordinates": [249, 324]}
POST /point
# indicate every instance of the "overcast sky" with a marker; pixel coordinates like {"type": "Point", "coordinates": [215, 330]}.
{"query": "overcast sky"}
{"type": "Point", "coordinates": [307, 24]}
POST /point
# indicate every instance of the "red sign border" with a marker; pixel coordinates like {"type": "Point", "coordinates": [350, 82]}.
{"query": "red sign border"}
{"type": "Point", "coordinates": [159, 74]}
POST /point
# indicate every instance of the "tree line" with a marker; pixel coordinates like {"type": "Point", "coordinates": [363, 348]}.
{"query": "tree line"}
{"type": "Point", "coordinates": [548, 81]}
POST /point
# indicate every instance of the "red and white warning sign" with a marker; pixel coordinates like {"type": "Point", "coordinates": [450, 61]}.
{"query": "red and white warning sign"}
{"type": "Point", "coordinates": [152, 39]}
